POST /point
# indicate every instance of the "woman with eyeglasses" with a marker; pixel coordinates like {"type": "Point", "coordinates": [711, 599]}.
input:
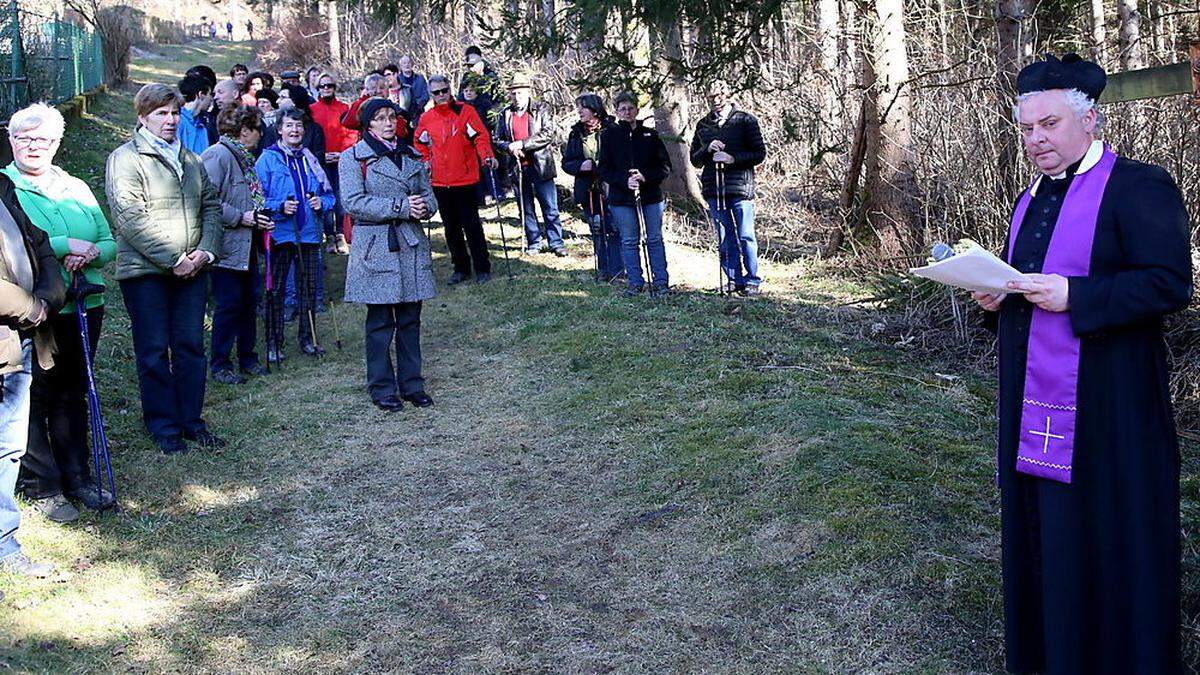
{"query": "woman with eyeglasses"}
{"type": "Point", "coordinates": [55, 466]}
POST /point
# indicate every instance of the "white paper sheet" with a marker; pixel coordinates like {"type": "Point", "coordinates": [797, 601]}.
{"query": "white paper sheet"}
{"type": "Point", "coordinates": [976, 269]}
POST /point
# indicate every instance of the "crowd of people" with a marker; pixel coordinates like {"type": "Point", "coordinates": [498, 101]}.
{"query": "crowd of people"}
{"type": "Point", "coordinates": [232, 193]}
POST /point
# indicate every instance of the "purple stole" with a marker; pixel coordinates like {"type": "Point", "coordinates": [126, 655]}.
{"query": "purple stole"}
{"type": "Point", "coordinates": [1046, 443]}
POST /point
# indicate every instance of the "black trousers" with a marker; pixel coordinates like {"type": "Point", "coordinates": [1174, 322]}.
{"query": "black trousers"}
{"type": "Point", "coordinates": [56, 458]}
{"type": "Point", "coordinates": [166, 314]}
{"type": "Point", "coordinates": [398, 324]}
{"type": "Point", "coordinates": [308, 265]}
{"type": "Point", "coordinates": [235, 298]}
{"type": "Point", "coordinates": [464, 231]}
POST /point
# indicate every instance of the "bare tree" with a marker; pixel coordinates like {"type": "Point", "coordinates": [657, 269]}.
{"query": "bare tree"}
{"type": "Point", "coordinates": [671, 110]}
{"type": "Point", "coordinates": [1129, 39]}
{"type": "Point", "coordinates": [890, 206]}
{"type": "Point", "coordinates": [1097, 26]}
{"type": "Point", "coordinates": [335, 31]}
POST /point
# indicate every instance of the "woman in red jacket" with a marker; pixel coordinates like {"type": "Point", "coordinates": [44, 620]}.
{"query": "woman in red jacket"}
{"type": "Point", "coordinates": [454, 141]}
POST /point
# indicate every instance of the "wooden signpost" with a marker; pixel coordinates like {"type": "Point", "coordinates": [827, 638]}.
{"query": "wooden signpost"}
{"type": "Point", "coordinates": [1172, 80]}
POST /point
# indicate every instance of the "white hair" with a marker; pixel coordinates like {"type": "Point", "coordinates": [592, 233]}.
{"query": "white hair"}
{"type": "Point", "coordinates": [372, 80]}
{"type": "Point", "coordinates": [37, 116]}
{"type": "Point", "coordinates": [1079, 102]}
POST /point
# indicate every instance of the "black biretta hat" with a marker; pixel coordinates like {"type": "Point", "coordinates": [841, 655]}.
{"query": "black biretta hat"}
{"type": "Point", "coordinates": [1071, 72]}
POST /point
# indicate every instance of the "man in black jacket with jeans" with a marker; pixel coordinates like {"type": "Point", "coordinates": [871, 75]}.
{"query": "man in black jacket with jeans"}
{"type": "Point", "coordinates": [727, 146]}
{"type": "Point", "coordinates": [526, 131]}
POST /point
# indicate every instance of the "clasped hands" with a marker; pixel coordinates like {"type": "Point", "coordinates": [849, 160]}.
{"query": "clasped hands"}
{"type": "Point", "coordinates": [418, 208]}
{"type": "Point", "coordinates": [635, 179]}
{"type": "Point", "coordinates": [717, 148]}
{"type": "Point", "coordinates": [1050, 292]}
{"type": "Point", "coordinates": [82, 253]}
{"type": "Point", "coordinates": [191, 264]}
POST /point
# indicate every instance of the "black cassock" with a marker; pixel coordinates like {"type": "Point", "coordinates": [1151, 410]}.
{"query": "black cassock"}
{"type": "Point", "coordinates": [1092, 569]}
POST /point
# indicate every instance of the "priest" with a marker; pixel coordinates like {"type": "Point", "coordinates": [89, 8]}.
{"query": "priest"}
{"type": "Point", "coordinates": [1087, 451]}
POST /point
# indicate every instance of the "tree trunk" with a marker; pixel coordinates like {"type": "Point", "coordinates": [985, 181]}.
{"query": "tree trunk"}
{"type": "Point", "coordinates": [548, 12]}
{"type": "Point", "coordinates": [671, 112]}
{"type": "Point", "coordinates": [1097, 25]}
{"type": "Point", "coordinates": [1129, 38]}
{"type": "Point", "coordinates": [827, 39]}
{"type": "Point", "coordinates": [1014, 47]}
{"type": "Point", "coordinates": [335, 32]}
{"type": "Point", "coordinates": [890, 184]}
{"type": "Point", "coordinates": [470, 18]}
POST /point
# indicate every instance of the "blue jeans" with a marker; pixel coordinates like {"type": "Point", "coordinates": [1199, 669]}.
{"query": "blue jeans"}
{"type": "Point", "coordinates": [14, 434]}
{"type": "Point", "coordinates": [547, 196]}
{"type": "Point", "coordinates": [234, 319]}
{"type": "Point", "coordinates": [606, 239]}
{"type": "Point", "coordinates": [739, 246]}
{"type": "Point", "coordinates": [627, 222]}
{"type": "Point", "coordinates": [166, 314]}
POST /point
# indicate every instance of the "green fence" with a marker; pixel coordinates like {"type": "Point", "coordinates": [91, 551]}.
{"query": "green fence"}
{"type": "Point", "coordinates": [43, 58]}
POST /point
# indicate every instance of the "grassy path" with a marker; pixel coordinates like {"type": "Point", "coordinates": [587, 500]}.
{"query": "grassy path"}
{"type": "Point", "coordinates": [690, 484]}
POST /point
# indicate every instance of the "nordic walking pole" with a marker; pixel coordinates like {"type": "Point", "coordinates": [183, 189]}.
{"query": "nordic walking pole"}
{"type": "Point", "coordinates": [269, 286]}
{"type": "Point", "coordinates": [719, 178]}
{"type": "Point", "coordinates": [101, 459]}
{"type": "Point", "coordinates": [642, 234]}
{"type": "Point", "coordinates": [312, 315]}
{"type": "Point", "coordinates": [521, 196]}
{"type": "Point", "coordinates": [600, 234]}
{"type": "Point", "coordinates": [503, 237]}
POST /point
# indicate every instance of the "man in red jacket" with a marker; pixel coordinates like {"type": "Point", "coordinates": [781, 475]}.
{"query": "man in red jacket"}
{"type": "Point", "coordinates": [454, 141]}
{"type": "Point", "coordinates": [327, 112]}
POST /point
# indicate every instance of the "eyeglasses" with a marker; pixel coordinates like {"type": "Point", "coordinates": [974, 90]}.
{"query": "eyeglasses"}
{"type": "Point", "coordinates": [35, 141]}
{"type": "Point", "coordinates": [327, 85]}
{"type": "Point", "coordinates": [439, 92]}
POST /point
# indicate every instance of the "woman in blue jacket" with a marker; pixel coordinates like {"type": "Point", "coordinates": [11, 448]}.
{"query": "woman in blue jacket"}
{"type": "Point", "coordinates": [296, 192]}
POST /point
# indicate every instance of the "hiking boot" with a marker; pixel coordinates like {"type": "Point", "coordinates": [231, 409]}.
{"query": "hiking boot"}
{"type": "Point", "coordinates": [171, 446]}
{"type": "Point", "coordinates": [312, 349]}
{"type": "Point", "coordinates": [457, 278]}
{"type": "Point", "coordinates": [93, 498]}
{"type": "Point", "coordinates": [388, 403]}
{"type": "Point", "coordinates": [633, 291]}
{"type": "Point", "coordinates": [483, 277]}
{"type": "Point", "coordinates": [19, 564]}
{"type": "Point", "coordinates": [275, 355]}
{"type": "Point", "coordinates": [533, 250]}
{"type": "Point", "coordinates": [420, 399]}
{"type": "Point", "coordinates": [257, 370]}
{"type": "Point", "coordinates": [561, 252]}
{"type": "Point", "coordinates": [56, 509]}
{"type": "Point", "coordinates": [660, 291]}
{"type": "Point", "coordinates": [205, 439]}
{"type": "Point", "coordinates": [228, 377]}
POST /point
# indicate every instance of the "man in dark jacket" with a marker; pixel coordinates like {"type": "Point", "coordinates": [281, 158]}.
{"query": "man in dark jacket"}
{"type": "Point", "coordinates": [727, 146]}
{"type": "Point", "coordinates": [526, 131]}
{"type": "Point", "coordinates": [31, 289]}
{"type": "Point", "coordinates": [633, 162]}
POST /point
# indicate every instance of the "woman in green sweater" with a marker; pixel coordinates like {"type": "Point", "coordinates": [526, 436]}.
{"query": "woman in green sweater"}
{"type": "Point", "coordinates": [55, 466]}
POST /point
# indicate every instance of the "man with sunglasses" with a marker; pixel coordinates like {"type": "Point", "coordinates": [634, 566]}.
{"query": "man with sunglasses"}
{"type": "Point", "coordinates": [454, 140]}
{"type": "Point", "coordinates": [328, 112]}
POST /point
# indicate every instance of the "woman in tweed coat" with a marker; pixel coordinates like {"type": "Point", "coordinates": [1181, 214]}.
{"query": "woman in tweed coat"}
{"type": "Point", "coordinates": [386, 189]}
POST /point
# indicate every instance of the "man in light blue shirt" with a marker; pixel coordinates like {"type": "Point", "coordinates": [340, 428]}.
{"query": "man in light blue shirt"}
{"type": "Point", "coordinates": [197, 97]}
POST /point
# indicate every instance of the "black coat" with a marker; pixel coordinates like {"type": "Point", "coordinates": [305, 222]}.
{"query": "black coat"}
{"type": "Point", "coordinates": [743, 140]}
{"type": "Point", "coordinates": [540, 141]}
{"type": "Point", "coordinates": [623, 147]}
{"type": "Point", "coordinates": [1110, 539]}
{"type": "Point", "coordinates": [585, 181]}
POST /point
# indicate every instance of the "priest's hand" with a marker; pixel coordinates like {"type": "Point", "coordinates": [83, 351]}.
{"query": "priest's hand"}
{"type": "Point", "coordinates": [1048, 291]}
{"type": "Point", "coordinates": [989, 301]}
